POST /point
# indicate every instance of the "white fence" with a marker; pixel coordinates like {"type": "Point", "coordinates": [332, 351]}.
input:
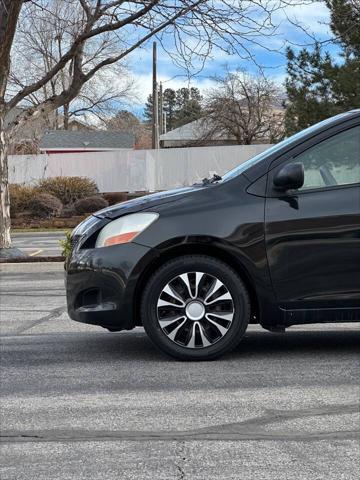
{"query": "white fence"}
{"type": "Point", "coordinates": [133, 170]}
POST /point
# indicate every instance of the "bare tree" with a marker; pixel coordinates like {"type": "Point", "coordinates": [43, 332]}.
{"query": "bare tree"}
{"type": "Point", "coordinates": [112, 88]}
{"type": "Point", "coordinates": [128, 122]}
{"type": "Point", "coordinates": [9, 13]}
{"type": "Point", "coordinates": [196, 27]}
{"type": "Point", "coordinates": [123, 120]}
{"type": "Point", "coordinates": [41, 38]}
{"type": "Point", "coordinates": [244, 107]}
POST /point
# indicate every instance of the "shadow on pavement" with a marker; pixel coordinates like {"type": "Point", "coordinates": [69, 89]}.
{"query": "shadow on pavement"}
{"type": "Point", "coordinates": [102, 347]}
{"type": "Point", "coordinates": [95, 362]}
{"type": "Point", "coordinates": [256, 344]}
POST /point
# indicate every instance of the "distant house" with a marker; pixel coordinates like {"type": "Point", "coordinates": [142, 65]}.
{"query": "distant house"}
{"type": "Point", "coordinates": [193, 134]}
{"type": "Point", "coordinates": [204, 132]}
{"type": "Point", "coordinates": [26, 139]}
{"type": "Point", "coordinates": [74, 125]}
{"type": "Point", "coordinates": [64, 141]}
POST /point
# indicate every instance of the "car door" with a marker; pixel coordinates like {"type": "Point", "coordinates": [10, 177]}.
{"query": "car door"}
{"type": "Point", "coordinates": [313, 233]}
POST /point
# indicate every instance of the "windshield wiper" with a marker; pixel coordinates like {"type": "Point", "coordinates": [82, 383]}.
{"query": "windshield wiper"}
{"type": "Point", "coordinates": [215, 178]}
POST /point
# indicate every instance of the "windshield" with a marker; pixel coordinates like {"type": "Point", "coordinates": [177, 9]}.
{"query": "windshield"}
{"type": "Point", "coordinates": [258, 158]}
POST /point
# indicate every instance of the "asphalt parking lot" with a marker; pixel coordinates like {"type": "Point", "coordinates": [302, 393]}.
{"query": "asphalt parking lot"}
{"type": "Point", "coordinates": [81, 403]}
{"type": "Point", "coordinates": [42, 243]}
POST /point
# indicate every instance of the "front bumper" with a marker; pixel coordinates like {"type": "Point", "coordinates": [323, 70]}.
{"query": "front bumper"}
{"type": "Point", "coordinates": [101, 284]}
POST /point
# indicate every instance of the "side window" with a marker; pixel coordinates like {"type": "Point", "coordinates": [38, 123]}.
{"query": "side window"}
{"type": "Point", "coordinates": [335, 161]}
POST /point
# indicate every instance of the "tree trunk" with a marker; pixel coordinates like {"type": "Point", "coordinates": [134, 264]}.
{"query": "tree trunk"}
{"type": "Point", "coordinates": [5, 240]}
{"type": "Point", "coordinates": [9, 14]}
{"type": "Point", "coordinates": [66, 116]}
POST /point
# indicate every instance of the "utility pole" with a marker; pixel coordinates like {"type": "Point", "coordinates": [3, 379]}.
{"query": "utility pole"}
{"type": "Point", "coordinates": [164, 122]}
{"type": "Point", "coordinates": [155, 120]}
{"type": "Point", "coordinates": [161, 110]}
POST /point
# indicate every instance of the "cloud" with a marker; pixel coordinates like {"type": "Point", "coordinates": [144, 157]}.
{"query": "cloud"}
{"type": "Point", "coordinates": [143, 84]}
{"type": "Point", "coordinates": [313, 17]}
{"type": "Point", "coordinates": [268, 52]}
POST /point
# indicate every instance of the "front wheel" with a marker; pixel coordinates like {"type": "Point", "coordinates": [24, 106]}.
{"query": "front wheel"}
{"type": "Point", "coordinates": [195, 308]}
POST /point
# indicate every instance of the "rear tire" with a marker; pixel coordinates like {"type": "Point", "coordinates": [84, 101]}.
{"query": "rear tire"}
{"type": "Point", "coordinates": [195, 307]}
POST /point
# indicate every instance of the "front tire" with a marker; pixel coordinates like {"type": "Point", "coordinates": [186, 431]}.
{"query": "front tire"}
{"type": "Point", "coordinates": [195, 307]}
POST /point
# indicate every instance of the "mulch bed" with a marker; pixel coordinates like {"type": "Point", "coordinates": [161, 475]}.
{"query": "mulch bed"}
{"type": "Point", "coordinates": [44, 223]}
{"type": "Point", "coordinates": [33, 259]}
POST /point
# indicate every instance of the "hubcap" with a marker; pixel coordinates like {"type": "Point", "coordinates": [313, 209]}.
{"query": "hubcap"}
{"type": "Point", "coordinates": [195, 310]}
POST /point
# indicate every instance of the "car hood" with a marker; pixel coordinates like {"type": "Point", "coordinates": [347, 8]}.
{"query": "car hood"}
{"type": "Point", "coordinates": [148, 201]}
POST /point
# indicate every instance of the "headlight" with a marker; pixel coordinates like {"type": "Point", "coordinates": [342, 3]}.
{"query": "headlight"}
{"type": "Point", "coordinates": [124, 229]}
{"type": "Point", "coordinates": [84, 230]}
{"type": "Point", "coordinates": [85, 226]}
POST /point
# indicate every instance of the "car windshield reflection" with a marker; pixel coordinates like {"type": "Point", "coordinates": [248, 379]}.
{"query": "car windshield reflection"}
{"type": "Point", "coordinates": [279, 146]}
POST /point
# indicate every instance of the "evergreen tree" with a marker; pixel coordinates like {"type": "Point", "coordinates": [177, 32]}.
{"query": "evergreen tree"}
{"type": "Point", "coordinates": [190, 111]}
{"type": "Point", "coordinates": [345, 24]}
{"type": "Point", "coordinates": [182, 96]}
{"type": "Point", "coordinates": [181, 106]}
{"type": "Point", "coordinates": [169, 103]}
{"type": "Point", "coordinates": [188, 106]}
{"type": "Point", "coordinates": [317, 87]}
{"type": "Point", "coordinates": [148, 110]}
{"type": "Point", "coordinates": [195, 94]}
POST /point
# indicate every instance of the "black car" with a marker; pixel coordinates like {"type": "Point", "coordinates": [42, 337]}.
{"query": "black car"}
{"type": "Point", "coordinates": [276, 241]}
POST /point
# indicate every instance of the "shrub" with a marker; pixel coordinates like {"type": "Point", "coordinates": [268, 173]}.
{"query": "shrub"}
{"type": "Point", "coordinates": [68, 211]}
{"type": "Point", "coordinates": [44, 205]}
{"type": "Point", "coordinates": [20, 196]}
{"type": "Point", "coordinates": [66, 245]}
{"type": "Point", "coordinates": [90, 204]}
{"type": "Point", "coordinates": [115, 197]}
{"type": "Point", "coordinates": [68, 189]}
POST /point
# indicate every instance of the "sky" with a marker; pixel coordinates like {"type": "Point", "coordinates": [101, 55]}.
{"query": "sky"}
{"type": "Point", "coordinates": [314, 19]}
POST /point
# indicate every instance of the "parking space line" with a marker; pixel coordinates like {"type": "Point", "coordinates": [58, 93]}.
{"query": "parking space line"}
{"type": "Point", "coordinates": [35, 253]}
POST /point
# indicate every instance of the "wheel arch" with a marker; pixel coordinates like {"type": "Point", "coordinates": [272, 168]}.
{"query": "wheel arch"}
{"type": "Point", "coordinates": [198, 248]}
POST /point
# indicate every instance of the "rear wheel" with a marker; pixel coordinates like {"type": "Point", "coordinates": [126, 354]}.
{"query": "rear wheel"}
{"type": "Point", "coordinates": [195, 308]}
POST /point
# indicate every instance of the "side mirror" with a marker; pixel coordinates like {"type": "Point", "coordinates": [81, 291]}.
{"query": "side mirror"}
{"type": "Point", "coordinates": [290, 177]}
